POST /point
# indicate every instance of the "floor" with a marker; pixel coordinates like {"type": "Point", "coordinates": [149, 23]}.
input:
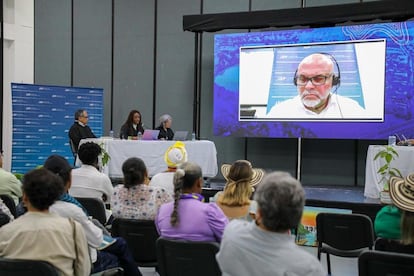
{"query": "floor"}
{"type": "Point", "coordinates": [340, 266]}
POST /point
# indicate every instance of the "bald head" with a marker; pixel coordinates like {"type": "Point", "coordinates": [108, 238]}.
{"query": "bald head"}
{"type": "Point", "coordinates": [317, 61]}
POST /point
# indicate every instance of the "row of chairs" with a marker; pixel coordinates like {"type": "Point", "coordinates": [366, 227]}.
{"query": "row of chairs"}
{"type": "Point", "coordinates": [170, 257]}
{"type": "Point", "coordinates": [350, 235]}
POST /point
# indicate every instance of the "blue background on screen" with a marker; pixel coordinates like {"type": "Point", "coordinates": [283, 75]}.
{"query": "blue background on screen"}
{"type": "Point", "coordinates": [399, 84]}
{"type": "Point", "coordinates": [42, 116]}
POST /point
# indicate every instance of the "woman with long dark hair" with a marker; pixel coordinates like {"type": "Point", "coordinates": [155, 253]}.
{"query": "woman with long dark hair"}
{"type": "Point", "coordinates": [132, 125]}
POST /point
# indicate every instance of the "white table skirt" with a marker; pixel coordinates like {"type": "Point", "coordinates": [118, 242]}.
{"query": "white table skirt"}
{"type": "Point", "coordinates": [405, 163]}
{"type": "Point", "coordinates": [201, 152]}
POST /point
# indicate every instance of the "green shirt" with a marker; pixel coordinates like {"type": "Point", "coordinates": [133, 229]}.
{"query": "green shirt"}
{"type": "Point", "coordinates": [387, 223]}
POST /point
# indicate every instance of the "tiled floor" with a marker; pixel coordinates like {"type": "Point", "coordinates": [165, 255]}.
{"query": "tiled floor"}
{"type": "Point", "coordinates": [340, 266]}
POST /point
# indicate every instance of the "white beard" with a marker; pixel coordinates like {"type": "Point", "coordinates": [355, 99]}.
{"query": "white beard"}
{"type": "Point", "coordinates": [311, 103]}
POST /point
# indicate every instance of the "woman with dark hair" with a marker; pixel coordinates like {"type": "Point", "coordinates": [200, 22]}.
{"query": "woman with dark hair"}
{"type": "Point", "coordinates": [40, 235]}
{"type": "Point", "coordinates": [135, 199]}
{"type": "Point", "coordinates": [188, 217]}
{"type": "Point", "coordinates": [132, 125]}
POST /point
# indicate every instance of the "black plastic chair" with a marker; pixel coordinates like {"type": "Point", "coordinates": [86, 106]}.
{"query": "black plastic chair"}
{"type": "Point", "coordinates": [382, 244]}
{"type": "Point", "coordinates": [116, 271]}
{"type": "Point", "coordinates": [182, 258]}
{"type": "Point", "coordinates": [377, 263]}
{"type": "Point", "coordinates": [74, 151]}
{"type": "Point", "coordinates": [95, 208]}
{"type": "Point", "coordinates": [8, 200]}
{"type": "Point", "coordinates": [140, 236]}
{"type": "Point", "coordinates": [14, 267]}
{"type": "Point", "coordinates": [344, 235]}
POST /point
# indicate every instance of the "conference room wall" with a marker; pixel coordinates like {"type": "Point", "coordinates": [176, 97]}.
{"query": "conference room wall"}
{"type": "Point", "coordinates": [154, 72]}
{"type": "Point", "coordinates": [133, 61]}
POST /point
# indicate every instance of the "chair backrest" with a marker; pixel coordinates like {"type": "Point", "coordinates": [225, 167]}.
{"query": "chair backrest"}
{"type": "Point", "coordinates": [344, 231]}
{"type": "Point", "coordinates": [377, 263]}
{"type": "Point", "coordinates": [73, 148]}
{"type": "Point", "coordinates": [95, 208]}
{"type": "Point", "coordinates": [140, 236]}
{"type": "Point", "coordinates": [14, 267]}
{"type": "Point", "coordinates": [178, 257]}
{"type": "Point", "coordinates": [8, 200]}
{"type": "Point", "coordinates": [390, 245]}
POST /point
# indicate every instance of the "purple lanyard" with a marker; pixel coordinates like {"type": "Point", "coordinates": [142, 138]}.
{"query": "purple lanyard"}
{"type": "Point", "coordinates": [192, 196]}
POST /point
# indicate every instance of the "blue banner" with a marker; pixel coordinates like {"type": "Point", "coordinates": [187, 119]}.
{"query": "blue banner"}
{"type": "Point", "coordinates": [42, 116]}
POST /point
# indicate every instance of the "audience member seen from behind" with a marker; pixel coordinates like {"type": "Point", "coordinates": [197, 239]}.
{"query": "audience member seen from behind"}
{"type": "Point", "coordinates": [173, 157]}
{"type": "Point", "coordinates": [235, 199]}
{"type": "Point", "coordinates": [267, 246]}
{"type": "Point", "coordinates": [80, 129]}
{"type": "Point", "coordinates": [387, 222]}
{"type": "Point", "coordinates": [40, 235]}
{"type": "Point", "coordinates": [115, 254]}
{"type": "Point", "coordinates": [5, 214]}
{"type": "Point", "coordinates": [132, 126]}
{"type": "Point", "coordinates": [166, 133]}
{"type": "Point", "coordinates": [135, 199]}
{"type": "Point", "coordinates": [401, 193]}
{"type": "Point", "coordinates": [88, 181]}
{"type": "Point", "coordinates": [314, 79]}
{"type": "Point", "coordinates": [188, 217]}
{"type": "Point", "coordinates": [9, 184]}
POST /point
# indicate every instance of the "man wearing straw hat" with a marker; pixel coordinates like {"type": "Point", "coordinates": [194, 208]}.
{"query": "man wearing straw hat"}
{"type": "Point", "coordinates": [173, 157]}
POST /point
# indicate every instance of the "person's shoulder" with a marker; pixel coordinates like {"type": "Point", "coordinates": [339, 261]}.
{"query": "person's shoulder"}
{"type": "Point", "coordinates": [284, 106]}
{"type": "Point", "coordinates": [66, 209]}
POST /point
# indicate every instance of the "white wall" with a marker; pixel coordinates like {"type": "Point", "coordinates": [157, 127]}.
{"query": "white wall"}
{"type": "Point", "coordinates": [18, 64]}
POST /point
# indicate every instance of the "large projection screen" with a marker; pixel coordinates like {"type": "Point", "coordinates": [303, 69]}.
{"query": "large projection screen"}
{"type": "Point", "coordinates": [256, 94]}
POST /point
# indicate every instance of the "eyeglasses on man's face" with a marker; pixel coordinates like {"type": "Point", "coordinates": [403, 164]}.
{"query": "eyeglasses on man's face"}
{"type": "Point", "coordinates": [302, 80]}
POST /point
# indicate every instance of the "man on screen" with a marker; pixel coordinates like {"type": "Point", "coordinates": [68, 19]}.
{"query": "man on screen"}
{"type": "Point", "coordinates": [315, 78]}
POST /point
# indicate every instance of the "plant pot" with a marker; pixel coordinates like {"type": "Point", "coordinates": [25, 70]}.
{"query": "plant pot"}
{"type": "Point", "coordinates": [385, 197]}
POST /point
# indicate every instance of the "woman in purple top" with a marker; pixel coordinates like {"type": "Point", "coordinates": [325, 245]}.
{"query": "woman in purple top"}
{"type": "Point", "coordinates": [188, 217]}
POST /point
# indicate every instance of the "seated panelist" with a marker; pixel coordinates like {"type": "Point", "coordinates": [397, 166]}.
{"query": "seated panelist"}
{"type": "Point", "coordinates": [132, 125]}
{"type": "Point", "coordinates": [80, 130]}
{"type": "Point", "coordinates": [166, 132]}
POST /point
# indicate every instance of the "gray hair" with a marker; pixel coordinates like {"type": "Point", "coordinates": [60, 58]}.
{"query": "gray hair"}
{"type": "Point", "coordinates": [164, 118]}
{"type": "Point", "coordinates": [184, 177]}
{"type": "Point", "coordinates": [280, 198]}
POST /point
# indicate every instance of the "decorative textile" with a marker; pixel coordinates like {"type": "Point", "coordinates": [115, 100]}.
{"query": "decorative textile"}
{"type": "Point", "coordinates": [138, 202]}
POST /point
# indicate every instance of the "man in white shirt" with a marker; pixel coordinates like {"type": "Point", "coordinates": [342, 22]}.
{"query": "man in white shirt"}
{"type": "Point", "coordinates": [88, 181]}
{"type": "Point", "coordinates": [314, 79]}
{"type": "Point", "coordinates": [265, 247]}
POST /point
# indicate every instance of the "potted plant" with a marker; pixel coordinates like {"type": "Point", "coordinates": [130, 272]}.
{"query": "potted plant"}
{"type": "Point", "coordinates": [387, 154]}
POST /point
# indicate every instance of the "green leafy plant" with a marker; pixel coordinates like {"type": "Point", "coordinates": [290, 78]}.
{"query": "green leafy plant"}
{"type": "Point", "coordinates": [388, 154]}
{"type": "Point", "coordinates": [105, 155]}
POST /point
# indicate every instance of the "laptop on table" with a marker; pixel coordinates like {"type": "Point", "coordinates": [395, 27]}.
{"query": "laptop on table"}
{"type": "Point", "coordinates": [180, 135]}
{"type": "Point", "coordinates": [150, 134]}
